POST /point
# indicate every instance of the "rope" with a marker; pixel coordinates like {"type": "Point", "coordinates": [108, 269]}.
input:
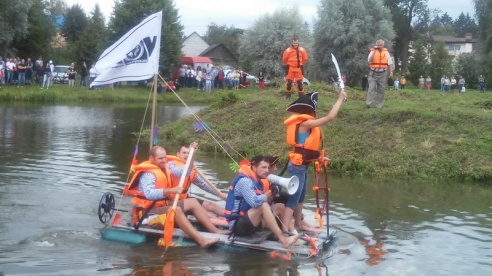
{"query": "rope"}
{"type": "Point", "coordinates": [135, 152]}
{"type": "Point", "coordinates": [212, 133]}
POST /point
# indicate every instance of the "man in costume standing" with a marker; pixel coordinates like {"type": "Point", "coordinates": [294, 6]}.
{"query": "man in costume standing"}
{"type": "Point", "coordinates": [294, 59]}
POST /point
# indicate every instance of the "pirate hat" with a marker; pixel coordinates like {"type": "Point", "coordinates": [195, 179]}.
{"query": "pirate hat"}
{"type": "Point", "coordinates": [305, 104]}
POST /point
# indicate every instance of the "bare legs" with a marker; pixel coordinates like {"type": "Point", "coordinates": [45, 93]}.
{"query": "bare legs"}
{"type": "Point", "coordinates": [185, 225]}
{"type": "Point", "coordinates": [213, 208]}
{"type": "Point", "coordinates": [264, 213]}
{"type": "Point", "coordinates": [191, 205]}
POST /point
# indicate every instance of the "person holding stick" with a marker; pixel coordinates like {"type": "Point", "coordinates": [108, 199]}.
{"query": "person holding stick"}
{"type": "Point", "coordinates": [305, 136]}
{"type": "Point", "coordinates": [151, 179]}
{"type": "Point", "coordinates": [197, 178]}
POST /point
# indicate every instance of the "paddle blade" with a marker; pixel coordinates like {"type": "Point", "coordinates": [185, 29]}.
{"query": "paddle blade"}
{"type": "Point", "coordinates": [116, 220]}
{"type": "Point", "coordinates": [169, 228]}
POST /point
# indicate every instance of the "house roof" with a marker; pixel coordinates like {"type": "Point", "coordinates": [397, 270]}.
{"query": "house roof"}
{"type": "Point", "coordinates": [452, 39]}
{"type": "Point", "coordinates": [193, 45]}
{"type": "Point", "coordinates": [196, 60]}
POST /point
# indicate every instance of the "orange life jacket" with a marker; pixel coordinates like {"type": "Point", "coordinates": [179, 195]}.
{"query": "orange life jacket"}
{"type": "Point", "coordinates": [403, 81]}
{"type": "Point", "coordinates": [161, 183]}
{"type": "Point", "coordinates": [302, 154]}
{"type": "Point", "coordinates": [380, 59]}
{"type": "Point", "coordinates": [266, 185]}
{"type": "Point", "coordinates": [295, 57]}
{"type": "Point", "coordinates": [175, 180]}
{"type": "Point", "coordinates": [232, 213]}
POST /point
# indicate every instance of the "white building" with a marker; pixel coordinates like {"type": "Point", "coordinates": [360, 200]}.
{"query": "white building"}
{"type": "Point", "coordinates": [457, 45]}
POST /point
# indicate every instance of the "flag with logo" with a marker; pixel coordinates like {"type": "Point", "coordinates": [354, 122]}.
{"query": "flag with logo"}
{"type": "Point", "coordinates": [134, 57]}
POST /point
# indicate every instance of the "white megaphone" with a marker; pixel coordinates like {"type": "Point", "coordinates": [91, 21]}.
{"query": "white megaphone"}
{"type": "Point", "coordinates": [291, 184]}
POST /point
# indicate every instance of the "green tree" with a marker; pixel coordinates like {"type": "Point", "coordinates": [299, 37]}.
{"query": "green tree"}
{"type": "Point", "coordinates": [93, 39]}
{"type": "Point", "coordinates": [13, 23]}
{"type": "Point", "coordinates": [467, 65]}
{"type": "Point", "coordinates": [403, 13]}
{"type": "Point", "coordinates": [442, 25]}
{"type": "Point", "coordinates": [58, 7]}
{"type": "Point", "coordinates": [348, 29]}
{"type": "Point", "coordinates": [465, 24]}
{"type": "Point", "coordinates": [419, 62]}
{"type": "Point", "coordinates": [74, 24]}
{"type": "Point", "coordinates": [40, 32]}
{"type": "Point", "coordinates": [440, 63]}
{"type": "Point", "coordinates": [446, 19]}
{"type": "Point", "coordinates": [483, 11]}
{"type": "Point", "coordinates": [129, 13]}
{"type": "Point", "coordinates": [229, 36]}
{"type": "Point", "coordinates": [263, 44]}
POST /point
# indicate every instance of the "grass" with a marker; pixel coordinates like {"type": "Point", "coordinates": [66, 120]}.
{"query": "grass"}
{"type": "Point", "coordinates": [61, 93]}
{"type": "Point", "coordinates": [418, 134]}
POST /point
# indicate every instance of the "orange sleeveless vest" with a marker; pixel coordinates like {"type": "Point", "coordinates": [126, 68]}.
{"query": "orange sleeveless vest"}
{"type": "Point", "coordinates": [175, 180]}
{"type": "Point", "coordinates": [310, 151]}
{"type": "Point", "coordinates": [161, 183]}
{"type": "Point", "coordinates": [379, 59]}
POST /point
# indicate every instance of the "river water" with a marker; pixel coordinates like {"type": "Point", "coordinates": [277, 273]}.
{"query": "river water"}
{"type": "Point", "coordinates": [57, 161]}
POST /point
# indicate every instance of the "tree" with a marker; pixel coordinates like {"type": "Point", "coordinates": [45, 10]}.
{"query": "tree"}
{"type": "Point", "coordinates": [348, 29]}
{"type": "Point", "coordinates": [446, 19]}
{"type": "Point", "coordinates": [466, 65]}
{"type": "Point", "coordinates": [74, 24]}
{"type": "Point", "coordinates": [129, 13]}
{"type": "Point", "coordinates": [229, 36]}
{"type": "Point", "coordinates": [92, 40]}
{"type": "Point", "coordinates": [263, 44]}
{"type": "Point", "coordinates": [13, 22]}
{"type": "Point", "coordinates": [40, 32]}
{"type": "Point", "coordinates": [403, 13]}
{"type": "Point", "coordinates": [441, 63]}
{"type": "Point", "coordinates": [483, 11]}
{"type": "Point", "coordinates": [465, 24]}
{"type": "Point", "coordinates": [442, 25]}
{"type": "Point", "coordinates": [419, 62]}
{"type": "Point", "coordinates": [58, 7]}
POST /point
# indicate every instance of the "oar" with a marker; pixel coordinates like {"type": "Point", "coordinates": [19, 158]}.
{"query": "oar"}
{"type": "Point", "coordinates": [208, 182]}
{"type": "Point", "coordinates": [169, 225]}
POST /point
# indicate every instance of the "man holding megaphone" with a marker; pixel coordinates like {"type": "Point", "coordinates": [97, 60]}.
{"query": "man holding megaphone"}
{"type": "Point", "coordinates": [247, 206]}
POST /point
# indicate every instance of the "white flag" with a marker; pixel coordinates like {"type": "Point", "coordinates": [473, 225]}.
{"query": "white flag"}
{"type": "Point", "coordinates": [135, 56]}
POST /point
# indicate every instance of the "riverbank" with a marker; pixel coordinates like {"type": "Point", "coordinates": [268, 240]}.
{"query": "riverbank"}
{"type": "Point", "coordinates": [418, 134]}
{"type": "Point", "coordinates": [61, 93]}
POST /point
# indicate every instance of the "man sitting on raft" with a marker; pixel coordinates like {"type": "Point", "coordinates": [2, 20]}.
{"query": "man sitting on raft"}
{"type": "Point", "coordinates": [247, 208]}
{"type": "Point", "coordinates": [151, 178]}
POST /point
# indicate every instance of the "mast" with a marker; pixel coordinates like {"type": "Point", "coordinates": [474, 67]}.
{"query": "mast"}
{"type": "Point", "coordinates": [154, 111]}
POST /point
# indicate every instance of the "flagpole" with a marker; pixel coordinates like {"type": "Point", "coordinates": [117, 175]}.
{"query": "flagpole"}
{"type": "Point", "coordinates": [154, 111]}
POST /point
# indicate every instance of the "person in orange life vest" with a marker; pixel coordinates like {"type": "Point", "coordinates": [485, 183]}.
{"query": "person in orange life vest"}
{"type": "Point", "coordinates": [247, 208]}
{"type": "Point", "coordinates": [152, 180]}
{"type": "Point", "coordinates": [294, 59]}
{"type": "Point", "coordinates": [304, 134]}
{"type": "Point", "coordinates": [379, 62]}
{"type": "Point", "coordinates": [194, 178]}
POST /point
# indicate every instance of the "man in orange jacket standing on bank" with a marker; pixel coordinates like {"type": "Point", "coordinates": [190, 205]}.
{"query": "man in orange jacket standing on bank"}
{"type": "Point", "coordinates": [294, 59]}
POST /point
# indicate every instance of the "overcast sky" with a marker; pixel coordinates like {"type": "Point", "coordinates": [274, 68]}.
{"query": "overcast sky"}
{"type": "Point", "coordinates": [197, 14]}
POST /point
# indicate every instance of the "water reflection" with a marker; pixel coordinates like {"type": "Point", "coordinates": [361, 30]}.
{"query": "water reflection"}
{"type": "Point", "coordinates": [57, 161]}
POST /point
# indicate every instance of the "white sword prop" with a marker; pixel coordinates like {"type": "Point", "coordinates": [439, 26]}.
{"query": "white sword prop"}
{"type": "Point", "coordinates": [342, 85]}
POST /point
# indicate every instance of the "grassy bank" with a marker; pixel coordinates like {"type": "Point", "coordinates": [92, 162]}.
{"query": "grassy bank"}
{"type": "Point", "coordinates": [61, 93]}
{"type": "Point", "coordinates": [418, 134]}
